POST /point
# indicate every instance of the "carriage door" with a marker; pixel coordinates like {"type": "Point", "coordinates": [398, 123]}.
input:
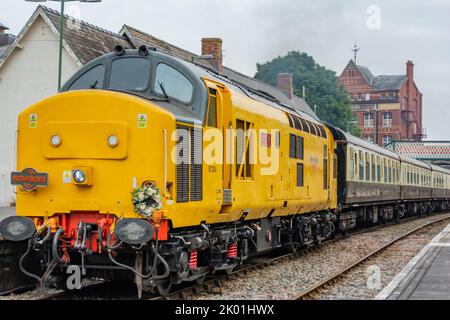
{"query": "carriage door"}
{"type": "Point", "coordinates": [217, 125]}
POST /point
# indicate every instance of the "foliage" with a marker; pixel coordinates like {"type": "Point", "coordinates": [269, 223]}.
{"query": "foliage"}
{"type": "Point", "coordinates": [321, 87]}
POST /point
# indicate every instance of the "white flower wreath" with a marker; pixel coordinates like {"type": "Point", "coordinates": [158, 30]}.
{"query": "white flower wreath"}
{"type": "Point", "coordinates": [146, 199]}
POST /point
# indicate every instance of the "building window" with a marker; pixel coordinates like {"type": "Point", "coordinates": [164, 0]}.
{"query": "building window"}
{"type": "Point", "coordinates": [352, 97]}
{"type": "Point", "coordinates": [367, 96]}
{"type": "Point", "coordinates": [383, 96]}
{"type": "Point", "coordinates": [404, 103]}
{"type": "Point", "coordinates": [368, 120]}
{"type": "Point", "coordinates": [360, 97]}
{"type": "Point", "coordinates": [387, 119]}
{"type": "Point", "coordinates": [387, 140]}
{"type": "Point", "coordinates": [368, 139]}
{"type": "Point", "coordinates": [391, 95]}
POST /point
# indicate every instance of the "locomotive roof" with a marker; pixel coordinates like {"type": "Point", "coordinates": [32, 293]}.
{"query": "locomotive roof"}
{"type": "Point", "coordinates": [196, 72]}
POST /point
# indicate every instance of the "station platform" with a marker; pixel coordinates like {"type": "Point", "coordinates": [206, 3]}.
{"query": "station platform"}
{"type": "Point", "coordinates": [426, 276]}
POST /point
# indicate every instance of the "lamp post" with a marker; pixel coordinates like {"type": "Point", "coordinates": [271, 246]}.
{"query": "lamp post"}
{"type": "Point", "coordinates": [377, 125]}
{"type": "Point", "coordinates": [61, 32]}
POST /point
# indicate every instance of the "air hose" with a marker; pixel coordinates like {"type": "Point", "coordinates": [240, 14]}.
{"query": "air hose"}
{"type": "Point", "coordinates": [151, 274]}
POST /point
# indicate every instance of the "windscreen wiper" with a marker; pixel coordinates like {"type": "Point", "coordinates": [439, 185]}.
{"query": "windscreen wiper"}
{"type": "Point", "coordinates": [161, 85]}
{"type": "Point", "coordinates": [94, 85]}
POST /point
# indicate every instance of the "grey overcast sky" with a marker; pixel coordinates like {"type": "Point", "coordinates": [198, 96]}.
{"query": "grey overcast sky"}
{"type": "Point", "coordinates": [388, 33]}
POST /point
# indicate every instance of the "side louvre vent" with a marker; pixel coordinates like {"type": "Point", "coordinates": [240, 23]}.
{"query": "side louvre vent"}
{"type": "Point", "coordinates": [196, 165]}
{"type": "Point", "coordinates": [183, 164]}
{"type": "Point", "coordinates": [189, 164]}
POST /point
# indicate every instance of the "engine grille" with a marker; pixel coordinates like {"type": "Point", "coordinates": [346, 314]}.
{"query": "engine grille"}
{"type": "Point", "coordinates": [189, 164]}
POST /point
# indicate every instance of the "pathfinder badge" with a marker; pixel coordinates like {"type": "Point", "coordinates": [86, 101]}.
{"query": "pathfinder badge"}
{"type": "Point", "coordinates": [29, 179]}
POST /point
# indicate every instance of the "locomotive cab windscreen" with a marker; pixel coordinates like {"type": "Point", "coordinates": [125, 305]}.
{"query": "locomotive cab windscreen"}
{"type": "Point", "coordinates": [169, 82]}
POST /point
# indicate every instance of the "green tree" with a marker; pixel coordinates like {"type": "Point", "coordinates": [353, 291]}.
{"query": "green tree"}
{"type": "Point", "coordinates": [321, 87]}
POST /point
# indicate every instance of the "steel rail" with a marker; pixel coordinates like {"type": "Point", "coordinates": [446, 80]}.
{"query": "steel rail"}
{"type": "Point", "coordinates": [335, 277]}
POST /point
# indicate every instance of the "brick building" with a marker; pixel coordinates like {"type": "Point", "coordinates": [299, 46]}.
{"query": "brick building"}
{"type": "Point", "coordinates": [389, 105]}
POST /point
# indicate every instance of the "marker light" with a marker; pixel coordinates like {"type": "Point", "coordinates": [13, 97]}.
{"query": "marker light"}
{"type": "Point", "coordinates": [113, 141]}
{"type": "Point", "coordinates": [55, 141]}
{"type": "Point", "coordinates": [79, 176]}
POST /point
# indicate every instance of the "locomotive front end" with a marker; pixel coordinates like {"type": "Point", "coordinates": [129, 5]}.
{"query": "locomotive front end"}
{"type": "Point", "coordinates": [80, 156]}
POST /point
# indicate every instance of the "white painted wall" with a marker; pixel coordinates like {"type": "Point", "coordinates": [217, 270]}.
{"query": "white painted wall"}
{"type": "Point", "coordinates": [28, 75]}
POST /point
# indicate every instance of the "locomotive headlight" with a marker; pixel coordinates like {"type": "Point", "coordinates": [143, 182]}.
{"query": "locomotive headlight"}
{"type": "Point", "coordinates": [79, 176]}
{"type": "Point", "coordinates": [113, 141]}
{"type": "Point", "coordinates": [134, 231]}
{"type": "Point", "coordinates": [55, 140]}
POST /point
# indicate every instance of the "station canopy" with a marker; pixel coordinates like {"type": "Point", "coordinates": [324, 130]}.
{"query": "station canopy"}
{"type": "Point", "coordinates": [423, 150]}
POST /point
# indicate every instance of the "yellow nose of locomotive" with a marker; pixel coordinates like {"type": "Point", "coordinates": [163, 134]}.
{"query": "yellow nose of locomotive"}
{"type": "Point", "coordinates": [95, 147]}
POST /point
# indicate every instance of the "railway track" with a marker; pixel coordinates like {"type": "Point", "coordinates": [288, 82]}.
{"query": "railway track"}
{"type": "Point", "coordinates": [214, 284]}
{"type": "Point", "coordinates": [311, 291]}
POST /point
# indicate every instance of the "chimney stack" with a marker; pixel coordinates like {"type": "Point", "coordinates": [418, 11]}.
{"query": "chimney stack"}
{"type": "Point", "coordinates": [410, 70]}
{"type": "Point", "coordinates": [213, 46]}
{"type": "Point", "coordinates": [285, 82]}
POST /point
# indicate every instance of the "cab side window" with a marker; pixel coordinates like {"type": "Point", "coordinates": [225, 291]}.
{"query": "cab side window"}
{"type": "Point", "coordinates": [173, 83]}
{"type": "Point", "coordinates": [212, 109]}
{"type": "Point", "coordinates": [92, 79]}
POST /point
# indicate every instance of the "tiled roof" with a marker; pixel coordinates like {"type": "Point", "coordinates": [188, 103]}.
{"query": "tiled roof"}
{"type": "Point", "coordinates": [380, 83]}
{"type": "Point", "coordinates": [138, 37]}
{"type": "Point", "coordinates": [88, 42]}
{"type": "Point", "coordinates": [389, 82]}
{"type": "Point", "coordinates": [366, 73]}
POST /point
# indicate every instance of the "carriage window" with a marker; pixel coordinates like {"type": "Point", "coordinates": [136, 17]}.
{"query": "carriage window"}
{"type": "Point", "coordinates": [352, 164]}
{"type": "Point", "coordinates": [378, 169]}
{"type": "Point", "coordinates": [361, 166]}
{"type": "Point", "coordinates": [175, 84]}
{"type": "Point", "coordinates": [373, 168]}
{"type": "Point", "coordinates": [367, 167]}
{"type": "Point", "coordinates": [131, 74]}
{"type": "Point", "coordinates": [92, 79]}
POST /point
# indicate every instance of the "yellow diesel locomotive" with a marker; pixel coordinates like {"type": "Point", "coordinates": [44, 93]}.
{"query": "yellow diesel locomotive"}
{"type": "Point", "coordinates": [150, 168]}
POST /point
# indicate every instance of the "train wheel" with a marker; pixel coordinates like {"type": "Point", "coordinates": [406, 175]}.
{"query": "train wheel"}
{"type": "Point", "coordinates": [164, 287]}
